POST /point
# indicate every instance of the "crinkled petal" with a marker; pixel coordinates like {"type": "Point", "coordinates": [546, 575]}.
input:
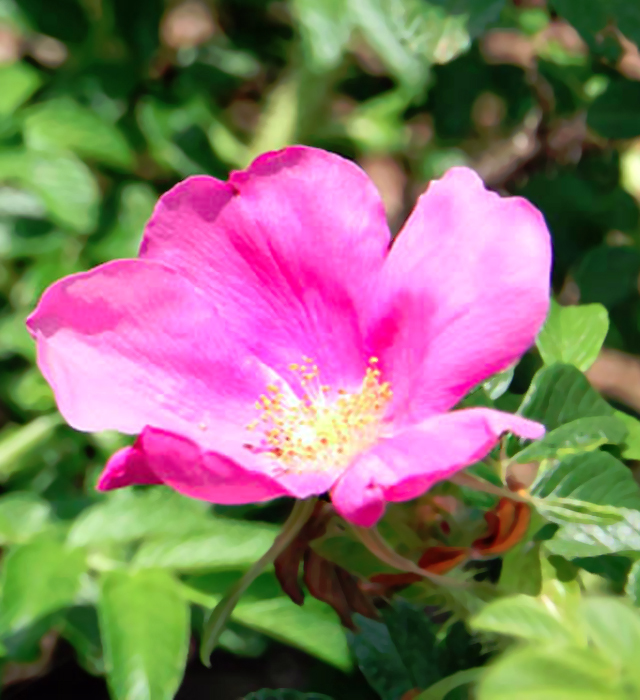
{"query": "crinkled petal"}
{"type": "Point", "coordinates": [405, 466]}
{"type": "Point", "coordinates": [134, 343]}
{"type": "Point", "coordinates": [160, 457]}
{"type": "Point", "coordinates": [463, 293]}
{"type": "Point", "coordinates": [287, 250]}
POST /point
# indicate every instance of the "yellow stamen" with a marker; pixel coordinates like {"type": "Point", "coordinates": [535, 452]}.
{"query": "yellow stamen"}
{"type": "Point", "coordinates": [324, 429]}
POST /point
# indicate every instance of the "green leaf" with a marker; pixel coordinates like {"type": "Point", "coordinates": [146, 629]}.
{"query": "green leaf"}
{"type": "Point", "coordinates": [38, 578]}
{"type": "Point", "coordinates": [65, 185]}
{"type": "Point", "coordinates": [144, 622]}
{"type": "Point", "coordinates": [22, 515]}
{"type": "Point", "coordinates": [520, 571]}
{"type": "Point", "coordinates": [523, 617]}
{"type": "Point", "coordinates": [631, 447]}
{"type": "Point", "coordinates": [596, 477]}
{"type": "Point", "coordinates": [325, 28]}
{"type": "Point", "coordinates": [80, 628]}
{"type": "Point", "coordinates": [613, 627]}
{"type": "Point", "coordinates": [225, 544]}
{"type": "Point", "coordinates": [632, 589]}
{"type": "Point", "coordinates": [414, 636]}
{"type": "Point", "coordinates": [129, 515]}
{"type": "Point", "coordinates": [477, 14]}
{"type": "Point", "coordinates": [616, 112]}
{"type": "Point", "coordinates": [63, 124]}
{"type": "Point", "coordinates": [499, 383]}
{"type": "Point", "coordinates": [17, 83]}
{"type": "Point", "coordinates": [379, 660]}
{"type": "Point", "coordinates": [284, 695]}
{"type": "Point", "coordinates": [441, 689]}
{"type": "Point", "coordinates": [573, 334]}
{"type": "Point", "coordinates": [537, 673]}
{"type": "Point", "coordinates": [560, 394]}
{"type": "Point", "coordinates": [19, 441]}
{"type": "Point", "coordinates": [579, 436]}
{"type": "Point", "coordinates": [314, 627]}
{"type": "Point", "coordinates": [589, 540]}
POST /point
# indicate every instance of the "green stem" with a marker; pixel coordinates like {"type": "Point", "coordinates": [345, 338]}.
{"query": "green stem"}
{"type": "Point", "coordinates": [440, 690]}
{"type": "Point", "coordinates": [379, 547]}
{"type": "Point", "coordinates": [218, 617]}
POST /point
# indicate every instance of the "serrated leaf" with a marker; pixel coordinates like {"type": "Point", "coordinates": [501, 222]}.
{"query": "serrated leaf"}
{"type": "Point", "coordinates": [573, 334]}
{"type": "Point", "coordinates": [38, 578]}
{"type": "Point", "coordinates": [523, 617]}
{"type": "Point", "coordinates": [126, 516]}
{"type": "Point", "coordinates": [596, 477]}
{"type": "Point", "coordinates": [144, 623]}
{"type": "Point", "coordinates": [589, 540]}
{"type": "Point", "coordinates": [414, 636]}
{"type": "Point", "coordinates": [63, 124]}
{"type": "Point", "coordinates": [379, 660]}
{"type": "Point", "coordinates": [580, 436]}
{"type": "Point", "coordinates": [560, 394]}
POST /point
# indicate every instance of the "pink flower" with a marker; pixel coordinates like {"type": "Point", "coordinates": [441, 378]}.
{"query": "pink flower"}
{"type": "Point", "coordinates": [268, 342]}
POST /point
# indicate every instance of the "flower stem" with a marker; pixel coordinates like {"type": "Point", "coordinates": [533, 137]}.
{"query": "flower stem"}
{"type": "Point", "coordinates": [473, 482]}
{"type": "Point", "coordinates": [218, 617]}
{"type": "Point", "coordinates": [379, 547]}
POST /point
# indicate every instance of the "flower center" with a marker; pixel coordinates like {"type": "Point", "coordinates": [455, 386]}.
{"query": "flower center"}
{"type": "Point", "coordinates": [324, 429]}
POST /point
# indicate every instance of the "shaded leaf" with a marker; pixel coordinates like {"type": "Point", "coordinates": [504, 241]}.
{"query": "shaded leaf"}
{"type": "Point", "coordinates": [578, 436]}
{"type": "Point", "coordinates": [560, 394]}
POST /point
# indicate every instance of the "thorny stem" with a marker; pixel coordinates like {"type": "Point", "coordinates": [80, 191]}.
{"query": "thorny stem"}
{"type": "Point", "coordinates": [218, 617]}
{"type": "Point", "coordinates": [379, 547]}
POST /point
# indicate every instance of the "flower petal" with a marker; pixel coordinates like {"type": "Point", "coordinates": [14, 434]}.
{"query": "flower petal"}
{"type": "Point", "coordinates": [405, 466]}
{"type": "Point", "coordinates": [133, 343]}
{"type": "Point", "coordinates": [287, 250]}
{"type": "Point", "coordinates": [160, 457]}
{"type": "Point", "coordinates": [464, 291]}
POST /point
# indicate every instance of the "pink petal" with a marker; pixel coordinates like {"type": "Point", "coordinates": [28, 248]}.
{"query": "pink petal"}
{"type": "Point", "coordinates": [464, 292]}
{"type": "Point", "coordinates": [405, 466]}
{"type": "Point", "coordinates": [162, 457]}
{"type": "Point", "coordinates": [133, 343]}
{"type": "Point", "coordinates": [286, 250]}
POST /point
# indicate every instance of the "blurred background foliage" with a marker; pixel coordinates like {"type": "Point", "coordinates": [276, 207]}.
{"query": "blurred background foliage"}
{"type": "Point", "coordinates": [105, 104]}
